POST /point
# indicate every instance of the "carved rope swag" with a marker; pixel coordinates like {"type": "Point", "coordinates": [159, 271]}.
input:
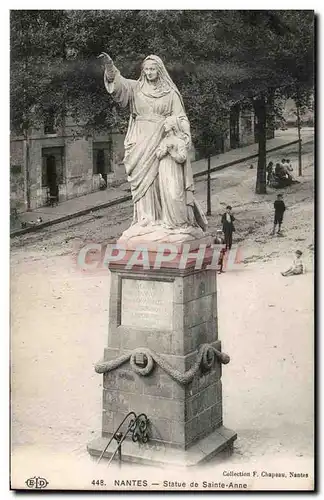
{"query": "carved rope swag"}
{"type": "Point", "coordinates": [205, 360]}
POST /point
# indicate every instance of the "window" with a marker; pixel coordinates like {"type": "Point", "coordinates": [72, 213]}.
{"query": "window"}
{"type": "Point", "coordinates": [49, 123]}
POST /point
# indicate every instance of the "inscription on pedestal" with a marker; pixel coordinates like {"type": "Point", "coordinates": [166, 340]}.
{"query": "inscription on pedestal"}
{"type": "Point", "coordinates": [146, 304]}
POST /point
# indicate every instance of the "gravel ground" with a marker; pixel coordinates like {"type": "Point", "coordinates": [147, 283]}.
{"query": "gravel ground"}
{"type": "Point", "coordinates": [59, 329]}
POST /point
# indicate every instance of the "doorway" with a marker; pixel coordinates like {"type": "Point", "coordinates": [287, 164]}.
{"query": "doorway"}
{"type": "Point", "coordinates": [102, 159]}
{"type": "Point", "coordinates": [52, 181]}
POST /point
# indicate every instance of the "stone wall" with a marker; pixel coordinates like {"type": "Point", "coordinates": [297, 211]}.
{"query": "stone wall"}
{"type": "Point", "coordinates": [78, 176]}
{"type": "Point", "coordinates": [246, 128]}
{"type": "Point", "coordinates": [17, 179]}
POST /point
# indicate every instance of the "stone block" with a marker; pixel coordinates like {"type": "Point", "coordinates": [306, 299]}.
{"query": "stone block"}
{"type": "Point", "coordinates": [178, 290]}
{"type": "Point", "coordinates": [191, 430]}
{"type": "Point", "coordinates": [114, 337]}
{"type": "Point", "coordinates": [217, 415]}
{"type": "Point", "coordinates": [128, 381]}
{"type": "Point", "coordinates": [178, 321]}
{"type": "Point", "coordinates": [156, 407]}
{"type": "Point", "coordinates": [111, 353]}
{"type": "Point", "coordinates": [193, 406]}
{"type": "Point", "coordinates": [160, 429]}
{"type": "Point", "coordinates": [115, 401]}
{"type": "Point", "coordinates": [204, 422]}
{"type": "Point", "coordinates": [195, 336]}
{"type": "Point", "coordinates": [179, 391]}
{"type": "Point", "coordinates": [133, 338]}
{"type": "Point", "coordinates": [178, 433]}
{"type": "Point", "coordinates": [107, 422]}
{"type": "Point", "coordinates": [177, 343]}
{"type": "Point", "coordinates": [109, 380]}
{"type": "Point", "coordinates": [158, 384]}
{"type": "Point", "coordinates": [198, 311]}
{"type": "Point", "coordinates": [203, 283]}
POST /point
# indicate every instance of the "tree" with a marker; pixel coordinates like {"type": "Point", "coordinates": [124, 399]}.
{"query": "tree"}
{"type": "Point", "coordinates": [34, 43]}
{"type": "Point", "coordinates": [303, 98]}
{"type": "Point", "coordinates": [216, 58]}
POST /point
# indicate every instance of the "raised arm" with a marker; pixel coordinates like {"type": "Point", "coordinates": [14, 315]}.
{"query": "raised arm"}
{"type": "Point", "coordinates": [119, 87]}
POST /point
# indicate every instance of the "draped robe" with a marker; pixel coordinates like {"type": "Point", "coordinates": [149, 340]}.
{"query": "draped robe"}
{"type": "Point", "coordinates": [148, 111]}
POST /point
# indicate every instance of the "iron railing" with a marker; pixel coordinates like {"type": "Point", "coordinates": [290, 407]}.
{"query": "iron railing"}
{"type": "Point", "coordinates": [138, 427]}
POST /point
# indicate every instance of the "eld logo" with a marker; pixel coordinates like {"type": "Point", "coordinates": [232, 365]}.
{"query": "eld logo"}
{"type": "Point", "coordinates": [36, 482]}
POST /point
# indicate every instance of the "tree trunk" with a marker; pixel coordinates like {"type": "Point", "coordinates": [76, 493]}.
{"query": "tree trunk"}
{"type": "Point", "coordinates": [208, 186]}
{"type": "Point", "coordinates": [26, 173]}
{"type": "Point", "coordinates": [260, 111]}
{"type": "Point", "coordinates": [271, 114]}
{"type": "Point", "coordinates": [300, 170]}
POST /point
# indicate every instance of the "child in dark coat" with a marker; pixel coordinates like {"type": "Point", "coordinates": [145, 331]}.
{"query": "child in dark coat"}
{"type": "Point", "coordinates": [228, 227]}
{"type": "Point", "coordinates": [280, 208]}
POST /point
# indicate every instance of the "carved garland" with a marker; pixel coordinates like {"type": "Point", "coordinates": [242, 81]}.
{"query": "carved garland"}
{"type": "Point", "coordinates": [205, 360]}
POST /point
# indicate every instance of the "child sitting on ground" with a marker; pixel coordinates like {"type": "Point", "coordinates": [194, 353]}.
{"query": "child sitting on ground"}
{"type": "Point", "coordinates": [297, 266]}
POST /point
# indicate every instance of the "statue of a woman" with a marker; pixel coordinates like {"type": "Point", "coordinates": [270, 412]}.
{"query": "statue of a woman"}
{"type": "Point", "coordinates": [151, 99]}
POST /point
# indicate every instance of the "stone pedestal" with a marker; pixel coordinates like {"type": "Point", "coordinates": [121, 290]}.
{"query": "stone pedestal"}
{"type": "Point", "coordinates": [172, 314]}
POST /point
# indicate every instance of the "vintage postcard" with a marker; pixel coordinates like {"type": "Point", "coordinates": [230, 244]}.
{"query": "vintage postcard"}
{"type": "Point", "coordinates": [162, 250]}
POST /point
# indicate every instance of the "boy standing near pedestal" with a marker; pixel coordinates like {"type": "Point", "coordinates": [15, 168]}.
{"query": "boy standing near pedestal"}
{"type": "Point", "coordinates": [280, 208]}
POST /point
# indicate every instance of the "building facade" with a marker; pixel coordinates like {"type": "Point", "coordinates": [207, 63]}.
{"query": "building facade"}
{"type": "Point", "coordinates": [64, 161]}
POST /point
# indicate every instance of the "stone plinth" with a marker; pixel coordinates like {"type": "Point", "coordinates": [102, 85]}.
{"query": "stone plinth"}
{"type": "Point", "coordinates": [152, 236]}
{"type": "Point", "coordinates": [171, 313]}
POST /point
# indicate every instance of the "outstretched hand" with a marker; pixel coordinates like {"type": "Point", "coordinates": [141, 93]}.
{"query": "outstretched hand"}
{"type": "Point", "coordinates": [107, 59]}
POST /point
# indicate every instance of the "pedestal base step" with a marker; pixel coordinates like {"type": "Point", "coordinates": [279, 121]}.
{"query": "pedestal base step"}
{"type": "Point", "coordinates": [218, 442]}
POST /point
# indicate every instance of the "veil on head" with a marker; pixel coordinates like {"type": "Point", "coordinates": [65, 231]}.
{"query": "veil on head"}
{"type": "Point", "coordinates": [166, 83]}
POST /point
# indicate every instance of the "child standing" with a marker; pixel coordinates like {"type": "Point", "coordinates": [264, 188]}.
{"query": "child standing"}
{"type": "Point", "coordinates": [280, 208]}
{"type": "Point", "coordinates": [228, 226]}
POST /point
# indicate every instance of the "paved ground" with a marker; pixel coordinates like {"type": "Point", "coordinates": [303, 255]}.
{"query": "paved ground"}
{"type": "Point", "coordinates": [59, 318]}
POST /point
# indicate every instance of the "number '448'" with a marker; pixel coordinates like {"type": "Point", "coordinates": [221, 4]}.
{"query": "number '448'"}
{"type": "Point", "coordinates": [98, 482]}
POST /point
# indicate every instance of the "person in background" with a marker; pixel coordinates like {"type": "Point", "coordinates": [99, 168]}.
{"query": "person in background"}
{"type": "Point", "coordinates": [228, 227]}
{"type": "Point", "coordinates": [280, 208]}
{"type": "Point", "coordinates": [278, 170]}
{"type": "Point", "coordinates": [221, 260]}
{"type": "Point", "coordinates": [283, 164]}
{"type": "Point", "coordinates": [102, 182]}
{"type": "Point", "coordinates": [290, 169]}
{"type": "Point", "coordinates": [297, 266]}
{"type": "Point", "coordinates": [289, 166]}
{"type": "Point", "coordinates": [219, 238]}
{"type": "Point", "coordinates": [269, 172]}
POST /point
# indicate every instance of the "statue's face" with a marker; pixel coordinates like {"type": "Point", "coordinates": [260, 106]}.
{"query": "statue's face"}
{"type": "Point", "coordinates": [150, 71]}
{"type": "Point", "coordinates": [169, 124]}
